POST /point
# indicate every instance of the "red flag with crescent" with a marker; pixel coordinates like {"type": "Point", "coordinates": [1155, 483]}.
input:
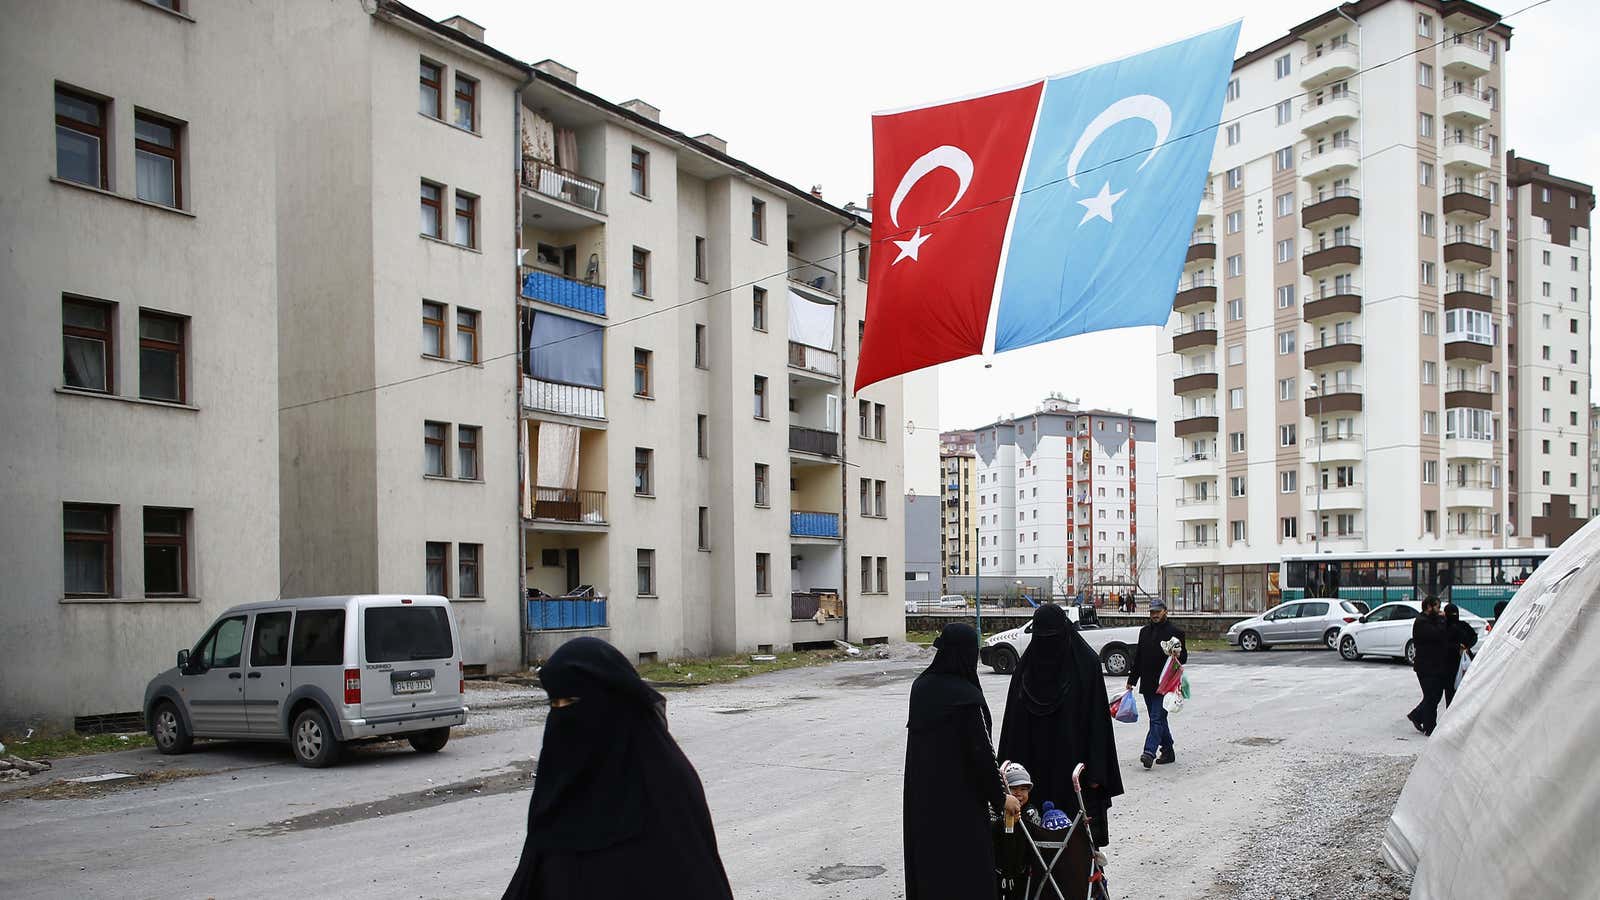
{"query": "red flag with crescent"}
{"type": "Point", "coordinates": [943, 183]}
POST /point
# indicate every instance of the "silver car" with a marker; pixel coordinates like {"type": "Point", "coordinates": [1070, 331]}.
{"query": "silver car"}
{"type": "Point", "coordinates": [316, 673]}
{"type": "Point", "coordinates": [1315, 621]}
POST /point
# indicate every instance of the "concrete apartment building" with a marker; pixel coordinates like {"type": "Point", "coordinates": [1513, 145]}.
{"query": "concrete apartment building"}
{"type": "Point", "coordinates": [1594, 461]}
{"type": "Point", "coordinates": [1062, 493]}
{"type": "Point", "coordinates": [1548, 376]}
{"type": "Point", "coordinates": [141, 491]}
{"type": "Point", "coordinates": [1337, 335]}
{"type": "Point", "coordinates": [958, 457]}
{"type": "Point", "coordinates": [924, 513]}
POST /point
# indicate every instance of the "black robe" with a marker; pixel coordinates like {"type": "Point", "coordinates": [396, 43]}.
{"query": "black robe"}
{"type": "Point", "coordinates": [1056, 717]}
{"type": "Point", "coordinates": [951, 779]}
{"type": "Point", "coordinates": [617, 810]}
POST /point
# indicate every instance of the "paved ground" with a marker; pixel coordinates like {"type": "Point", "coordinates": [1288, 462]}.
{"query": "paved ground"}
{"type": "Point", "coordinates": [1281, 755]}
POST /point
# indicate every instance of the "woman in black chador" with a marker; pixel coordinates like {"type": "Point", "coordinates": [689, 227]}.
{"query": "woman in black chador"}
{"type": "Point", "coordinates": [617, 810]}
{"type": "Point", "coordinates": [1056, 718]}
{"type": "Point", "coordinates": [951, 777]}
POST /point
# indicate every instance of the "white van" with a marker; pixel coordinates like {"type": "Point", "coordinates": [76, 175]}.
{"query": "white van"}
{"type": "Point", "coordinates": [316, 672]}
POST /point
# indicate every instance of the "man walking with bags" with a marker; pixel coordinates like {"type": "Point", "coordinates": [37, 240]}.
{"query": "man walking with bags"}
{"type": "Point", "coordinates": [1148, 660]}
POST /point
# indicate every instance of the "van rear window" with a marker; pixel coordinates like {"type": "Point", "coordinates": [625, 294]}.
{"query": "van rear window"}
{"type": "Point", "coordinates": [318, 638]}
{"type": "Point", "coordinates": [408, 633]}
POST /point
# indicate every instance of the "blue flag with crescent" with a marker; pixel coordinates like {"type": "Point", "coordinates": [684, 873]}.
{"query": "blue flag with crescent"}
{"type": "Point", "coordinates": [1114, 176]}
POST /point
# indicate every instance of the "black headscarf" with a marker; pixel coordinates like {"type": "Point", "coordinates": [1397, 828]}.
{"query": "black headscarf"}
{"type": "Point", "coordinates": [1056, 717]}
{"type": "Point", "coordinates": [934, 697]}
{"type": "Point", "coordinates": [616, 805]}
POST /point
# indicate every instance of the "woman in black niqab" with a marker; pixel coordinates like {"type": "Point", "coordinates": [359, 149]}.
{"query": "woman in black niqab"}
{"type": "Point", "coordinates": [617, 810]}
{"type": "Point", "coordinates": [1056, 717]}
{"type": "Point", "coordinates": [951, 778]}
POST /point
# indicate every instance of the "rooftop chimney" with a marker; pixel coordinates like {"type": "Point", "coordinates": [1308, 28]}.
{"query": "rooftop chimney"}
{"type": "Point", "coordinates": [466, 26]}
{"type": "Point", "coordinates": [816, 191]}
{"type": "Point", "coordinates": [714, 142]}
{"type": "Point", "coordinates": [558, 71]}
{"type": "Point", "coordinates": [641, 108]}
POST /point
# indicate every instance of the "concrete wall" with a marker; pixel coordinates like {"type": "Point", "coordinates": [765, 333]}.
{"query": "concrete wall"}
{"type": "Point", "coordinates": [922, 573]}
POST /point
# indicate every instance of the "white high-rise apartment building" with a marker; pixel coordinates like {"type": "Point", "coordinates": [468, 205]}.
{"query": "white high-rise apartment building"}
{"type": "Point", "coordinates": [1063, 493]}
{"type": "Point", "coordinates": [1338, 343]}
{"type": "Point", "coordinates": [1548, 375]}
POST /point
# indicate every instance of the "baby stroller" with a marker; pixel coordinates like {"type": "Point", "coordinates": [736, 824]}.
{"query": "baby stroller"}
{"type": "Point", "coordinates": [1097, 888]}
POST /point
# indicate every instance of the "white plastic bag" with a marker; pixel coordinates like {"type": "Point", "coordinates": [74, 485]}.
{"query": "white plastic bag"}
{"type": "Point", "coordinates": [1461, 670]}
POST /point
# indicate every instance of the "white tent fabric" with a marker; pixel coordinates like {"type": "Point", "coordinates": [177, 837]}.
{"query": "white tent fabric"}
{"type": "Point", "coordinates": [810, 322]}
{"type": "Point", "coordinates": [558, 456]}
{"type": "Point", "coordinates": [1504, 801]}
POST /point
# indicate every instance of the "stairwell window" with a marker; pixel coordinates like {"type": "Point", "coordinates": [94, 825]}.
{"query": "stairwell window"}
{"type": "Point", "coordinates": [763, 574]}
{"type": "Point", "coordinates": [760, 404]}
{"type": "Point", "coordinates": [646, 569]}
{"type": "Point", "coordinates": [639, 172]}
{"type": "Point", "coordinates": [699, 259]}
{"type": "Point", "coordinates": [641, 372]}
{"type": "Point", "coordinates": [644, 472]}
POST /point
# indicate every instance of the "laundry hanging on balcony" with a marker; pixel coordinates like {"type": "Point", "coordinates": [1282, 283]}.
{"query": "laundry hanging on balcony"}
{"type": "Point", "coordinates": [562, 350]}
{"type": "Point", "coordinates": [558, 456]}
{"type": "Point", "coordinates": [811, 322]}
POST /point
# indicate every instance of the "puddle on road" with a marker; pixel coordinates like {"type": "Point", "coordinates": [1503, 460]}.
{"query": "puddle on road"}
{"type": "Point", "coordinates": [877, 679]}
{"type": "Point", "coordinates": [733, 711]}
{"type": "Point", "coordinates": [840, 872]}
{"type": "Point", "coordinates": [1258, 742]}
{"type": "Point", "coordinates": [520, 776]}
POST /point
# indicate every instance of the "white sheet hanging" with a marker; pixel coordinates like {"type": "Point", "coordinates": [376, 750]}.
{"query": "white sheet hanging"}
{"type": "Point", "coordinates": [558, 456]}
{"type": "Point", "coordinates": [811, 323]}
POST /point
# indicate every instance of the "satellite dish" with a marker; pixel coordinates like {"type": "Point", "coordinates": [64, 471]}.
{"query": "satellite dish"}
{"type": "Point", "coordinates": [911, 428]}
{"type": "Point", "coordinates": [911, 495]}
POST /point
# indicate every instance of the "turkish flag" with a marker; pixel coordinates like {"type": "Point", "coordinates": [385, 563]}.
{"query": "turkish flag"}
{"type": "Point", "coordinates": [944, 179]}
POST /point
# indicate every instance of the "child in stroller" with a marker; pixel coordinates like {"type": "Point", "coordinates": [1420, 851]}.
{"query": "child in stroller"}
{"type": "Point", "coordinates": [1013, 858]}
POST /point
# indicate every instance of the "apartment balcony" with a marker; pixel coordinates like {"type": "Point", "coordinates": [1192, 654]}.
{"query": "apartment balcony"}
{"type": "Point", "coordinates": [1337, 538]}
{"type": "Point", "coordinates": [1335, 447]}
{"type": "Point", "coordinates": [1468, 395]}
{"type": "Point", "coordinates": [1202, 247]}
{"type": "Point", "coordinates": [813, 361]}
{"type": "Point", "coordinates": [1200, 379]}
{"type": "Point", "coordinates": [1335, 497]}
{"type": "Point", "coordinates": [810, 275]}
{"type": "Point", "coordinates": [1465, 104]}
{"type": "Point", "coordinates": [563, 399]}
{"type": "Point", "coordinates": [567, 293]}
{"type": "Point", "coordinates": [1195, 291]}
{"type": "Point", "coordinates": [1468, 249]}
{"type": "Point", "coordinates": [1209, 209]}
{"type": "Point", "coordinates": [1468, 448]}
{"type": "Point", "coordinates": [805, 605]}
{"type": "Point", "coordinates": [1194, 465]}
{"type": "Point", "coordinates": [1465, 199]}
{"type": "Point", "coordinates": [817, 525]}
{"type": "Point", "coordinates": [560, 199]}
{"type": "Point", "coordinates": [567, 613]}
{"type": "Point", "coordinates": [560, 509]}
{"type": "Point", "coordinates": [1344, 251]}
{"type": "Point", "coordinates": [1193, 337]}
{"type": "Point", "coordinates": [1194, 425]}
{"type": "Point", "coordinates": [1329, 64]}
{"type": "Point", "coordinates": [1190, 509]}
{"type": "Point", "coordinates": [1333, 350]}
{"type": "Point", "coordinates": [1334, 301]}
{"type": "Point", "coordinates": [1329, 159]}
{"type": "Point", "coordinates": [1334, 398]}
{"type": "Point", "coordinates": [1468, 295]}
{"type": "Point", "coordinates": [814, 441]}
{"type": "Point", "coordinates": [1461, 346]}
{"type": "Point", "coordinates": [1467, 56]}
{"type": "Point", "coordinates": [1330, 111]}
{"type": "Point", "coordinates": [1465, 152]}
{"type": "Point", "coordinates": [1474, 493]}
{"type": "Point", "coordinates": [1195, 544]}
{"type": "Point", "coordinates": [1330, 204]}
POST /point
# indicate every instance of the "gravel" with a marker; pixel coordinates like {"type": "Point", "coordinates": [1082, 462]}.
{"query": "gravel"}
{"type": "Point", "coordinates": [1322, 835]}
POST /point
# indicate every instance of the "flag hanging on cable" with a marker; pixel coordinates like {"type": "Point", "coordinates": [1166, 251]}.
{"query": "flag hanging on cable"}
{"type": "Point", "coordinates": [1039, 212]}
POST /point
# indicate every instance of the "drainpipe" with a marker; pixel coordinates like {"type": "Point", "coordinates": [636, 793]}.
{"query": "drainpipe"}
{"type": "Point", "coordinates": [516, 372]}
{"type": "Point", "coordinates": [844, 453]}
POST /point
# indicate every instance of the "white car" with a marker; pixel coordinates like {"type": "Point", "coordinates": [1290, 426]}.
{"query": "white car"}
{"type": "Point", "coordinates": [945, 603]}
{"type": "Point", "coordinates": [1115, 646]}
{"type": "Point", "coordinates": [1386, 631]}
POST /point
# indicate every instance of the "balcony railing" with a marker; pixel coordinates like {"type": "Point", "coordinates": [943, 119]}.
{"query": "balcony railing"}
{"type": "Point", "coordinates": [1192, 327]}
{"type": "Point", "coordinates": [1196, 501]}
{"type": "Point", "coordinates": [813, 440]}
{"type": "Point", "coordinates": [1339, 241]}
{"type": "Point", "coordinates": [1196, 370]}
{"type": "Point", "coordinates": [1470, 484]}
{"type": "Point", "coordinates": [1462, 384]}
{"type": "Point", "coordinates": [1313, 440]}
{"type": "Point", "coordinates": [566, 505]}
{"type": "Point", "coordinates": [1327, 148]}
{"type": "Point", "coordinates": [804, 605]}
{"type": "Point", "coordinates": [563, 399]}
{"type": "Point", "coordinates": [1333, 340]}
{"type": "Point", "coordinates": [1467, 90]}
{"type": "Point", "coordinates": [1339, 536]}
{"type": "Point", "coordinates": [1311, 489]}
{"type": "Point", "coordinates": [1329, 50]}
{"type": "Point", "coordinates": [1328, 293]}
{"type": "Point", "coordinates": [558, 290]}
{"type": "Point", "coordinates": [1330, 193]}
{"type": "Point", "coordinates": [1197, 543]}
{"type": "Point", "coordinates": [1465, 140]}
{"type": "Point", "coordinates": [1326, 99]}
{"type": "Point", "coordinates": [1462, 186]}
{"type": "Point", "coordinates": [555, 613]}
{"type": "Point", "coordinates": [814, 524]}
{"type": "Point", "coordinates": [1203, 237]}
{"type": "Point", "coordinates": [1192, 457]}
{"type": "Point", "coordinates": [1199, 281]}
{"type": "Point", "coordinates": [813, 359]}
{"type": "Point", "coordinates": [552, 181]}
{"type": "Point", "coordinates": [1469, 533]}
{"type": "Point", "coordinates": [812, 275]}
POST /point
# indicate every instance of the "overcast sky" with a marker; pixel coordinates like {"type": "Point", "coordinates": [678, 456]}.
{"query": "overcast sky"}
{"type": "Point", "coordinates": [792, 89]}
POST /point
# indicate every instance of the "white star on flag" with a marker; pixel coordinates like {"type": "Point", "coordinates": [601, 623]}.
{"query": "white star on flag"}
{"type": "Point", "coordinates": [910, 246]}
{"type": "Point", "coordinates": [1099, 206]}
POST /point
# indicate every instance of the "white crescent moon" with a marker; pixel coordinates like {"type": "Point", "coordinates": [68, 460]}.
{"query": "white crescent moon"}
{"type": "Point", "coordinates": [1140, 106]}
{"type": "Point", "coordinates": [946, 157]}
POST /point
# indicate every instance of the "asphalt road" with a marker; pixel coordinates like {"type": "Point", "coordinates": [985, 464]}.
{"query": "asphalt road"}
{"type": "Point", "coordinates": [802, 769]}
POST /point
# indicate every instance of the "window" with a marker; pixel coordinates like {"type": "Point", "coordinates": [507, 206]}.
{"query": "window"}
{"type": "Point", "coordinates": [1285, 204]}
{"type": "Point", "coordinates": [761, 484]}
{"type": "Point", "coordinates": [1285, 296]}
{"type": "Point", "coordinates": [467, 335]}
{"type": "Point", "coordinates": [641, 372]}
{"type": "Point", "coordinates": [1236, 442]}
{"type": "Point", "coordinates": [1285, 156]}
{"type": "Point", "coordinates": [468, 558]}
{"type": "Point", "coordinates": [1235, 177]}
{"type": "Point", "coordinates": [86, 343]}
{"type": "Point", "coordinates": [434, 437]}
{"type": "Point", "coordinates": [1424, 26]}
{"type": "Point", "coordinates": [1574, 264]}
{"type": "Point", "coordinates": [1426, 223]}
{"type": "Point", "coordinates": [1429, 323]}
{"type": "Point", "coordinates": [1233, 222]}
{"type": "Point", "coordinates": [639, 172]}
{"type": "Point", "coordinates": [1426, 274]}
{"type": "Point", "coordinates": [1235, 310]}
{"type": "Point", "coordinates": [1572, 326]}
{"type": "Point", "coordinates": [1286, 435]}
{"type": "Point", "coordinates": [81, 139]}
{"type": "Point", "coordinates": [883, 574]}
{"type": "Point", "coordinates": [1285, 343]}
{"type": "Point", "coordinates": [1425, 125]}
{"type": "Point", "coordinates": [1235, 354]}
{"type": "Point", "coordinates": [156, 154]}
{"type": "Point", "coordinates": [758, 220]}
{"type": "Point", "coordinates": [1544, 289]}
{"type": "Point", "coordinates": [647, 573]}
{"type": "Point", "coordinates": [1233, 134]}
{"type": "Point", "coordinates": [436, 568]}
{"type": "Point", "coordinates": [879, 430]}
{"type": "Point", "coordinates": [1430, 471]}
{"type": "Point", "coordinates": [1425, 75]}
{"type": "Point", "coordinates": [1281, 66]}
{"type": "Point", "coordinates": [703, 528]}
{"type": "Point", "coordinates": [1286, 250]}
{"type": "Point", "coordinates": [466, 109]}
{"type": "Point", "coordinates": [1285, 388]}
{"type": "Point", "coordinates": [763, 573]}
{"type": "Point", "coordinates": [1430, 422]}
{"type": "Point", "coordinates": [161, 357]}
{"type": "Point", "coordinates": [758, 309]}
{"type": "Point", "coordinates": [1236, 486]}
{"type": "Point", "coordinates": [641, 272]}
{"type": "Point", "coordinates": [880, 499]}
{"type": "Point", "coordinates": [1430, 372]}
{"type": "Point", "coordinates": [702, 436]}
{"type": "Point", "coordinates": [1235, 265]}
{"type": "Point", "coordinates": [432, 329]}
{"type": "Point", "coordinates": [89, 534]}
{"type": "Point", "coordinates": [1287, 481]}
{"type": "Point", "coordinates": [864, 411]}
{"type": "Point", "coordinates": [1285, 113]}
{"type": "Point", "coordinates": [270, 644]}
{"type": "Point", "coordinates": [318, 638]}
{"type": "Point", "coordinates": [1236, 398]}
{"type": "Point", "coordinates": [866, 574]}
{"type": "Point", "coordinates": [466, 220]}
{"type": "Point", "coordinates": [428, 102]}
{"type": "Point", "coordinates": [467, 453]}
{"type": "Point", "coordinates": [223, 645]}
{"type": "Point", "coordinates": [699, 259]}
{"type": "Point", "coordinates": [761, 396]}
{"type": "Point", "coordinates": [861, 261]}
{"type": "Point", "coordinates": [1425, 174]}
{"type": "Point", "coordinates": [1233, 89]}
{"type": "Point", "coordinates": [1430, 523]}
{"type": "Point", "coordinates": [644, 464]}
{"type": "Point", "coordinates": [1238, 530]}
{"type": "Point", "coordinates": [432, 211]}
{"type": "Point", "coordinates": [1290, 526]}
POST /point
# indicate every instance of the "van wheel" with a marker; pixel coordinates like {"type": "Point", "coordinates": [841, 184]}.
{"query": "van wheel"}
{"type": "Point", "coordinates": [430, 741]}
{"type": "Point", "coordinates": [1005, 660]}
{"type": "Point", "coordinates": [1115, 659]}
{"type": "Point", "coordinates": [171, 737]}
{"type": "Point", "coordinates": [313, 740]}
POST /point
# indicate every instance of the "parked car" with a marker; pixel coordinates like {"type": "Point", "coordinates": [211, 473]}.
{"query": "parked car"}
{"type": "Point", "coordinates": [1297, 622]}
{"type": "Point", "coordinates": [1002, 651]}
{"type": "Point", "coordinates": [316, 673]}
{"type": "Point", "coordinates": [944, 603]}
{"type": "Point", "coordinates": [1386, 631]}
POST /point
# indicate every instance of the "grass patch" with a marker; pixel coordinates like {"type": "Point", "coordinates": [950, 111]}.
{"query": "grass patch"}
{"type": "Point", "coordinates": [74, 744]}
{"type": "Point", "coordinates": [723, 669]}
{"type": "Point", "coordinates": [921, 637]}
{"type": "Point", "coordinates": [62, 790]}
{"type": "Point", "coordinates": [1207, 644]}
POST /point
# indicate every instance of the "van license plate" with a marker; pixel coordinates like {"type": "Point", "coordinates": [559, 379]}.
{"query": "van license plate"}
{"type": "Point", "coordinates": [419, 686]}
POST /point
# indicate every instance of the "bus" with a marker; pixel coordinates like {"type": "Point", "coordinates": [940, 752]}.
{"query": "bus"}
{"type": "Point", "coordinates": [1474, 580]}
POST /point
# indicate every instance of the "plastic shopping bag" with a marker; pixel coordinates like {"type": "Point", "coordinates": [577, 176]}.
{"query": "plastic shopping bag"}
{"type": "Point", "coordinates": [1125, 708]}
{"type": "Point", "coordinates": [1461, 670]}
{"type": "Point", "coordinates": [1184, 687]}
{"type": "Point", "coordinates": [1171, 677]}
{"type": "Point", "coordinates": [1172, 703]}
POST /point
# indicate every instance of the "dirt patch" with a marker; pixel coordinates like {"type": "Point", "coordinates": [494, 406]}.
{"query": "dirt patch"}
{"type": "Point", "coordinates": [1258, 742]}
{"type": "Point", "coordinates": [840, 872]}
{"type": "Point", "coordinates": [876, 679]}
{"type": "Point", "coordinates": [66, 790]}
{"type": "Point", "coordinates": [519, 778]}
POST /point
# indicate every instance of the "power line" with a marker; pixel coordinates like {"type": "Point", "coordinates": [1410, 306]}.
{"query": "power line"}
{"type": "Point", "coordinates": [892, 235]}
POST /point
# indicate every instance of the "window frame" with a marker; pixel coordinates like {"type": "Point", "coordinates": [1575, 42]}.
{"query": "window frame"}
{"type": "Point", "coordinates": [439, 323]}
{"type": "Point", "coordinates": [701, 356]}
{"type": "Point", "coordinates": [442, 442]}
{"type": "Point", "coordinates": [437, 205]}
{"type": "Point", "coordinates": [179, 540]}
{"type": "Point", "coordinates": [763, 574]}
{"type": "Point", "coordinates": [644, 563]}
{"type": "Point", "coordinates": [108, 539]}
{"type": "Point", "coordinates": [98, 132]}
{"type": "Point", "coordinates": [759, 392]}
{"type": "Point", "coordinates": [470, 214]}
{"type": "Point", "coordinates": [642, 380]}
{"type": "Point", "coordinates": [644, 463]}
{"type": "Point", "coordinates": [639, 172]}
{"type": "Point", "coordinates": [700, 266]}
{"type": "Point", "coordinates": [476, 568]}
{"type": "Point", "coordinates": [469, 439]}
{"type": "Point", "coordinates": [641, 272]}
{"type": "Point", "coordinates": [179, 348]}
{"type": "Point", "coordinates": [107, 339]}
{"type": "Point", "coordinates": [436, 85]}
{"type": "Point", "coordinates": [471, 96]}
{"type": "Point", "coordinates": [758, 220]}
{"type": "Point", "coordinates": [443, 560]}
{"type": "Point", "coordinates": [468, 330]}
{"type": "Point", "coordinates": [763, 486]}
{"type": "Point", "coordinates": [173, 153]}
{"type": "Point", "coordinates": [758, 309]}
